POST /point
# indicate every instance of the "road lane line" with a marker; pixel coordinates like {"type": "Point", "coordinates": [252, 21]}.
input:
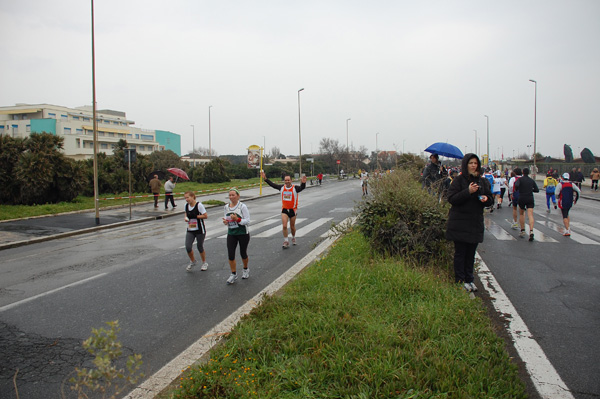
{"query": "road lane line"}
{"type": "Point", "coordinates": [172, 370]}
{"type": "Point", "coordinates": [543, 375]}
{"type": "Point", "coordinates": [497, 231]}
{"type": "Point", "coordinates": [304, 230]}
{"type": "Point", "coordinates": [15, 304]}
{"type": "Point", "coordinates": [277, 229]}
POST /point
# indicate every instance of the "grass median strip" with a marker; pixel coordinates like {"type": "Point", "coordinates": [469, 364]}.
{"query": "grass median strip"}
{"type": "Point", "coordinates": [357, 325]}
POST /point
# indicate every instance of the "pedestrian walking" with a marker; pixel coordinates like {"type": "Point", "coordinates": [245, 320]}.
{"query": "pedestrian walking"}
{"type": "Point", "coordinates": [468, 195]}
{"type": "Point", "coordinates": [550, 184]}
{"type": "Point", "coordinates": [169, 187]}
{"type": "Point", "coordinates": [195, 214]}
{"type": "Point", "coordinates": [364, 181]}
{"type": "Point", "coordinates": [579, 179]}
{"type": "Point", "coordinates": [237, 220]}
{"type": "Point", "coordinates": [526, 186]}
{"type": "Point", "coordinates": [595, 176]}
{"type": "Point", "coordinates": [289, 205]}
{"type": "Point", "coordinates": [155, 188]}
{"type": "Point", "coordinates": [567, 194]}
{"type": "Point", "coordinates": [320, 177]}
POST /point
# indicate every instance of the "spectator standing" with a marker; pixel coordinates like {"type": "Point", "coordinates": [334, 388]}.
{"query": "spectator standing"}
{"type": "Point", "coordinates": [431, 173]}
{"type": "Point", "coordinates": [468, 194]}
{"type": "Point", "coordinates": [595, 176]}
{"type": "Point", "coordinates": [155, 188]}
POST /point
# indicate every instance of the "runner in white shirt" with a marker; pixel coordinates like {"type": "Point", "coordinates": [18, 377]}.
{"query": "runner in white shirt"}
{"type": "Point", "coordinates": [195, 213]}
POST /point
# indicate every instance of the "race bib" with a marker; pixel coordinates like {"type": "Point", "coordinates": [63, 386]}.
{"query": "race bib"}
{"type": "Point", "coordinates": [231, 222]}
{"type": "Point", "coordinates": [287, 195]}
{"type": "Point", "coordinates": [193, 225]}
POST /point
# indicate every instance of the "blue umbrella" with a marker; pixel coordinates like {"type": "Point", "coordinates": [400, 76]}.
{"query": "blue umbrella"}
{"type": "Point", "coordinates": [445, 149]}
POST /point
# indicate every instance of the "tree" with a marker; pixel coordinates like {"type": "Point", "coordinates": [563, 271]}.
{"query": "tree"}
{"type": "Point", "coordinates": [275, 152]}
{"type": "Point", "coordinates": [162, 160]}
{"type": "Point", "coordinates": [215, 171]}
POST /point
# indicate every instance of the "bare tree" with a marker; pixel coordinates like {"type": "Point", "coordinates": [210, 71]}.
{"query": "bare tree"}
{"type": "Point", "coordinates": [203, 151]}
{"type": "Point", "coordinates": [275, 153]}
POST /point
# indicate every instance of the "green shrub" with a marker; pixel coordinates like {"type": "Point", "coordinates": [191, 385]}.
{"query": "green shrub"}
{"type": "Point", "coordinates": [400, 218]}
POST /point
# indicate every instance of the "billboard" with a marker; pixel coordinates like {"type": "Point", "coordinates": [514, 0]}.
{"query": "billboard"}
{"type": "Point", "coordinates": [254, 157]}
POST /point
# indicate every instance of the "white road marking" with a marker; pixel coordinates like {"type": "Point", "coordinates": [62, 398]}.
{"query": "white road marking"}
{"type": "Point", "coordinates": [575, 237]}
{"type": "Point", "coordinates": [586, 228]}
{"type": "Point", "coordinates": [497, 231]}
{"type": "Point", "coordinates": [168, 373]}
{"type": "Point", "coordinates": [15, 304]}
{"type": "Point", "coordinates": [277, 229]}
{"type": "Point", "coordinates": [543, 375]}
{"type": "Point", "coordinates": [301, 232]}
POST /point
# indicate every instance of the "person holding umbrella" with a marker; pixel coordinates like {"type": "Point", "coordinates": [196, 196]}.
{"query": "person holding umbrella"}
{"type": "Point", "coordinates": [169, 187]}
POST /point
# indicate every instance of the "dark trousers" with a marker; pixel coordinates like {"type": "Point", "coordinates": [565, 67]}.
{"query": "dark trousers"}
{"type": "Point", "coordinates": [156, 199]}
{"type": "Point", "coordinates": [464, 259]}
{"type": "Point", "coordinates": [169, 196]}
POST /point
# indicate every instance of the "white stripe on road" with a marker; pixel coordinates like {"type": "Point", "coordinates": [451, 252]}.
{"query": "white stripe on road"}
{"type": "Point", "coordinates": [301, 232]}
{"type": "Point", "coordinates": [586, 228]}
{"type": "Point", "coordinates": [575, 237]}
{"type": "Point", "coordinates": [15, 304]}
{"type": "Point", "coordinates": [277, 229]}
{"type": "Point", "coordinates": [168, 373]}
{"type": "Point", "coordinates": [497, 231]}
{"type": "Point", "coordinates": [543, 375]}
{"type": "Point", "coordinates": [259, 226]}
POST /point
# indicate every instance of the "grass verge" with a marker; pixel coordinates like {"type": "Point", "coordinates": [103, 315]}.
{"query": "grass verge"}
{"type": "Point", "coordinates": [355, 325]}
{"type": "Point", "coordinates": [80, 203]}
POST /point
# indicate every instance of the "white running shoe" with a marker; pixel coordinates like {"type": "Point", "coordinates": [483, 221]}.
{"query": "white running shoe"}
{"type": "Point", "coordinates": [548, 210]}
{"type": "Point", "coordinates": [232, 278]}
{"type": "Point", "coordinates": [245, 273]}
{"type": "Point", "coordinates": [192, 264]}
{"type": "Point", "coordinates": [522, 234]}
{"type": "Point", "coordinates": [286, 245]}
{"type": "Point", "coordinates": [473, 287]}
{"type": "Point", "coordinates": [293, 240]}
{"type": "Point", "coordinates": [567, 233]}
{"type": "Point", "coordinates": [204, 266]}
{"type": "Point", "coordinates": [468, 287]}
{"type": "Point", "coordinates": [514, 226]}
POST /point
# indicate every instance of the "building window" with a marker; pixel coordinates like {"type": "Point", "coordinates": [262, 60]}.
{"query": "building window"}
{"type": "Point", "coordinates": [78, 141]}
{"type": "Point", "coordinates": [51, 115]}
{"type": "Point", "coordinates": [86, 119]}
{"type": "Point", "coordinates": [141, 148]}
{"type": "Point", "coordinates": [2, 129]}
{"type": "Point", "coordinates": [111, 134]}
{"type": "Point", "coordinates": [79, 131]}
{"type": "Point", "coordinates": [28, 128]}
{"type": "Point", "coordinates": [75, 118]}
{"type": "Point", "coordinates": [137, 136]}
{"type": "Point", "coordinates": [67, 130]}
{"type": "Point", "coordinates": [15, 130]}
{"type": "Point", "coordinates": [104, 146]}
{"type": "Point", "coordinates": [64, 117]}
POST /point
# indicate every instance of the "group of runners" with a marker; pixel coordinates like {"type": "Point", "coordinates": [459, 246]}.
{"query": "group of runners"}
{"type": "Point", "coordinates": [560, 193]}
{"type": "Point", "coordinates": [236, 217]}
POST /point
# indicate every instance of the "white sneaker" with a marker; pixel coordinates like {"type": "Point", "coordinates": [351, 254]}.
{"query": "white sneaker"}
{"type": "Point", "coordinates": [548, 210]}
{"type": "Point", "coordinates": [522, 234]}
{"type": "Point", "coordinates": [232, 278]}
{"type": "Point", "coordinates": [204, 266]}
{"type": "Point", "coordinates": [286, 244]}
{"type": "Point", "coordinates": [293, 240]}
{"type": "Point", "coordinates": [468, 287]}
{"type": "Point", "coordinates": [192, 264]}
{"type": "Point", "coordinates": [245, 273]}
{"type": "Point", "coordinates": [473, 287]}
{"type": "Point", "coordinates": [514, 226]}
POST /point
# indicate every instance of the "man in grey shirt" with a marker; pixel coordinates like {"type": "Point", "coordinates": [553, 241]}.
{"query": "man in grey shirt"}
{"type": "Point", "coordinates": [169, 187]}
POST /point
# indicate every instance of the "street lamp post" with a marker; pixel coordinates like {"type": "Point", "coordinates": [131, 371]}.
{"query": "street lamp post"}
{"type": "Point", "coordinates": [488, 138]}
{"type": "Point", "coordinates": [95, 124]}
{"type": "Point", "coordinates": [376, 150]}
{"type": "Point", "coordinates": [299, 133]}
{"type": "Point", "coordinates": [209, 135]}
{"type": "Point", "coordinates": [193, 144]}
{"type": "Point", "coordinates": [534, 128]}
{"type": "Point", "coordinates": [475, 149]}
{"type": "Point", "coordinates": [347, 146]}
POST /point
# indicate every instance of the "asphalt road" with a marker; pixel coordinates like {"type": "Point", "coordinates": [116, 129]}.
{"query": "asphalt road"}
{"type": "Point", "coordinates": [554, 283]}
{"type": "Point", "coordinates": [53, 293]}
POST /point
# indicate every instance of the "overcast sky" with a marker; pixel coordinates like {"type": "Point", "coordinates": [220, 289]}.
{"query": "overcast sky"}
{"type": "Point", "coordinates": [416, 72]}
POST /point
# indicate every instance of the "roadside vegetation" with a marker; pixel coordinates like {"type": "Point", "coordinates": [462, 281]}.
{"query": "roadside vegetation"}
{"type": "Point", "coordinates": [378, 317]}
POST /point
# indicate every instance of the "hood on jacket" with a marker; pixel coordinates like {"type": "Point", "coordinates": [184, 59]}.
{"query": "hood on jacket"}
{"type": "Point", "coordinates": [465, 163]}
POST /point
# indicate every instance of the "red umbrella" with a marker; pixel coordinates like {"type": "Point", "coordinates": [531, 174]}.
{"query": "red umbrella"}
{"type": "Point", "coordinates": [179, 173]}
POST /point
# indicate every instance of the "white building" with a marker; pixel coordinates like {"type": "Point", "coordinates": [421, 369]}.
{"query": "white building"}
{"type": "Point", "coordinates": [75, 125]}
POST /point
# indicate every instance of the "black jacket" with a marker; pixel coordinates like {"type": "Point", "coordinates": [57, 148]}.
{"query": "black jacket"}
{"type": "Point", "coordinates": [465, 219]}
{"type": "Point", "coordinates": [526, 186]}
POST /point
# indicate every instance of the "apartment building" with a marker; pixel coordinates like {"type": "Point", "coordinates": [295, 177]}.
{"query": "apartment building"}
{"type": "Point", "coordinates": [75, 125]}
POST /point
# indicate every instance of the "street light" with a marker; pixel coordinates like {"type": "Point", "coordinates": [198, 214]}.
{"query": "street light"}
{"type": "Point", "coordinates": [299, 133]}
{"type": "Point", "coordinates": [347, 146]}
{"type": "Point", "coordinates": [488, 138]}
{"type": "Point", "coordinates": [534, 128]}
{"type": "Point", "coordinates": [376, 150]}
{"type": "Point", "coordinates": [475, 149]}
{"type": "Point", "coordinates": [193, 142]}
{"type": "Point", "coordinates": [95, 124]}
{"type": "Point", "coordinates": [209, 135]}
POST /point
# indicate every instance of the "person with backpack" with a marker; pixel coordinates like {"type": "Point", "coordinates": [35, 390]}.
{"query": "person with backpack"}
{"type": "Point", "coordinates": [526, 186]}
{"type": "Point", "coordinates": [567, 194]}
{"type": "Point", "coordinates": [550, 184]}
{"type": "Point", "coordinates": [514, 196]}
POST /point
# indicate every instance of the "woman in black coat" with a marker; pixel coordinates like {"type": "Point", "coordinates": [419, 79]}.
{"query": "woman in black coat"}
{"type": "Point", "coordinates": [468, 194]}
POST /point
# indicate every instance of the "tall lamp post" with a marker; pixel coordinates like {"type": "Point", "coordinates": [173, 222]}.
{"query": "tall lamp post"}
{"type": "Point", "coordinates": [299, 133]}
{"type": "Point", "coordinates": [475, 149]}
{"type": "Point", "coordinates": [488, 138]}
{"type": "Point", "coordinates": [193, 144]}
{"type": "Point", "coordinates": [95, 124]}
{"type": "Point", "coordinates": [209, 135]}
{"type": "Point", "coordinates": [376, 150]}
{"type": "Point", "coordinates": [534, 129]}
{"type": "Point", "coordinates": [347, 146]}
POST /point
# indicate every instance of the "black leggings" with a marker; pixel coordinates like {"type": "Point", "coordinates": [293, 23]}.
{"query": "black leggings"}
{"type": "Point", "coordinates": [197, 235]}
{"type": "Point", "coordinates": [232, 241]}
{"type": "Point", "coordinates": [464, 260]}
